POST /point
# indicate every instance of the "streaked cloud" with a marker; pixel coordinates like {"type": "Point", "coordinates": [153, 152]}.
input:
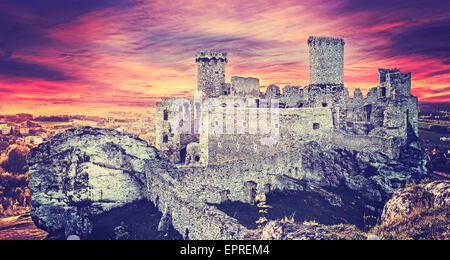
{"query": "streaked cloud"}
{"type": "Point", "coordinates": [106, 54]}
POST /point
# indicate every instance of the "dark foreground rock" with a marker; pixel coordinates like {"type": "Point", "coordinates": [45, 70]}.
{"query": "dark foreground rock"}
{"type": "Point", "coordinates": [83, 173]}
{"type": "Point", "coordinates": [418, 212]}
{"type": "Point", "coordinates": [414, 213]}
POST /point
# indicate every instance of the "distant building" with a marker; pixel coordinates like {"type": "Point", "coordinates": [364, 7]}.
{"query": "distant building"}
{"type": "Point", "coordinates": [8, 130]}
{"type": "Point", "coordinates": [44, 136]}
{"type": "Point", "coordinates": [24, 131]}
{"type": "Point", "coordinates": [34, 140]}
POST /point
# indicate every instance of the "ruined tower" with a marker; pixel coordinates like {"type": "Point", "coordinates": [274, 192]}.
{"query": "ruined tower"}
{"type": "Point", "coordinates": [326, 60]}
{"type": "Point", "coordinates": [393, 83]}
{"type": "Point", "coordinates": [211, 72]}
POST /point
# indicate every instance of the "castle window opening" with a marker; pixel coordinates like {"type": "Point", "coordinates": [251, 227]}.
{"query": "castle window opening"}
{"type": "Point", "coordinates": [324, 104]}
{"type": "Point", "coordinates": [257, 103]}
{"type": "Point", "coordinates": [407, 116]}
{"type": "Point", "coordinates": [183, 153]}
{"type": "Point", "coordinates": [367, 112]}
{"type": "Point", "coordinates": [383, 91]}
{"type": "Point", "coordinates": [197, 158]}
{"type": "Point", "coordinates": [276, 126]}
{"type": "Point", "coordinates": [316, 126]}
{"type": "Point", "coordinates": [165, 138]}
{"type": "Point", "coordinates": [300, 104]}
{"type": "Point", "coordinates": [166, 115]}
{"type": "Point", "coordinates": [244, 124]}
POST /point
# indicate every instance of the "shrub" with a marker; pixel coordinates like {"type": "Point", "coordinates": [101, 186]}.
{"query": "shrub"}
{"type": "Point", "coordinates": [16, 162]}
{"type": "Point", "coordinates": [122, 232]}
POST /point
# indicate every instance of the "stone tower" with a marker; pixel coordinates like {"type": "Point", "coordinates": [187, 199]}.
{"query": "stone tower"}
{"type": "Point", "coordinates": [326, 60]}
{"type": "Point", "coordinates": [211, 72]}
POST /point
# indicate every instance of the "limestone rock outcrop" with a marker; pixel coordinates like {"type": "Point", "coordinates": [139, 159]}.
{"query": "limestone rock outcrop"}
{"type": "Point", "coordinates": [372, 173]}
{"type": "Point", "coordinates": [420, 197]}
{"type": "Point", "coordinates": [277, 230]}
{"type": "Point", "coordinates": [84, 172]}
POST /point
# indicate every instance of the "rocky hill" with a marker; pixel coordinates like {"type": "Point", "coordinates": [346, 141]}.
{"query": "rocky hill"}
{"type": "Point", "coordinates": [85, 176]}
{"type": "Point", "coordinates": [417, 212]}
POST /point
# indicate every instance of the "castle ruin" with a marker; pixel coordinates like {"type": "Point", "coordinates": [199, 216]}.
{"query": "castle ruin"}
{"type": "Point", "coordinates": [233, 121]}
{"type": "Point", "coordinates": [230, 142]}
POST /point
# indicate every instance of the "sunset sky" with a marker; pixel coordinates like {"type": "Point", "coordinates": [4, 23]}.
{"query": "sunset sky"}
{"type": "Point", "coordinates": [87, 57]}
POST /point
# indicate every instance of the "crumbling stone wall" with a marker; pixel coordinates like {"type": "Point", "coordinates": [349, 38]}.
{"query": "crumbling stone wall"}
{"type": "Point", "coordinates": [194, 154]}
{"type": "Point", "coordinates": [389, 145]}
{"type": "Point", "coordinates": [293, 97]}
{"type": "Point", "coordinates": [244, 87]}
{"type": "Point", "coordinates": [272, 91]}
{"type": "Point", "coordinates": [176, 126]}
{"type": "Point", "coordinates": [294, 125]}
{"type": "Point", "coordinates": [191, 217]}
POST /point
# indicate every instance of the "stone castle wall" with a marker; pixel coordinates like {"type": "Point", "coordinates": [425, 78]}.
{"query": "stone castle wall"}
{"type": "Point", "coordinates": [294, 125]}
{"type": "Point", "coordinates": [191, 217]}
{"type": "Point", "coordinates": [389, 146]}
{"type": "Point", "coordinates": [321, 111]}
{"type": "Point", "coordinates": [244, 87]}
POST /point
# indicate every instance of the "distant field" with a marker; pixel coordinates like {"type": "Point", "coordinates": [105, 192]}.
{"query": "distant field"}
{"type": "Point", "coordinates": [20, 228]}
{"type": "Point", "coordinates": [430, 138]}
{"type": "Point", "coordinates": [77, 122]}
{"type": "Point", "coordinates": [51, 124]}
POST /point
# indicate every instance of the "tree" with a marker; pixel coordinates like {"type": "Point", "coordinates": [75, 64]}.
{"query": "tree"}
{"type": "Point", "coordinates": [16, 161]}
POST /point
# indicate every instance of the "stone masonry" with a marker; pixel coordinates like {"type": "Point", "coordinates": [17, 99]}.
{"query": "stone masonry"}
{"type": "Point", "coordinates": [229, 120]}
{"type": "Point", "coordinates": [235, 143]}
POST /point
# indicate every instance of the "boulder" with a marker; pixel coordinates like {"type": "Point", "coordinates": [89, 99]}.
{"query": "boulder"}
{"type": "Point", "coordinates": [83, 173]}
{"type": "Point", "coordinates": [278, 230]}
{"type": "Point", "coordinates": [417, 198]}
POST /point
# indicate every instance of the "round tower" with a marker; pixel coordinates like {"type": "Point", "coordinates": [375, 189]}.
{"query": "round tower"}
{"type": "Point", "coordinates": [211, 72]}
{"type": "Point", "coordinates": [326, 60]}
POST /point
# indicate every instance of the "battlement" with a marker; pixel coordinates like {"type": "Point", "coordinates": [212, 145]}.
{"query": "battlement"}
{"type": "Point", "coordinates": [208, 55]}
{"type": "Point", "coordinates": [241, 86]}
{"type": "Point", "coordinates": [318, 41]}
